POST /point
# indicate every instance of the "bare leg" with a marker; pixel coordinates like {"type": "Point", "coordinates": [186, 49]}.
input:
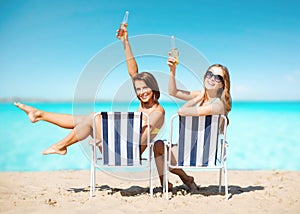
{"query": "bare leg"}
{"type": "Point", "coordinates": [60, 148]}
{"type": "Point", "coordinates": [63, 120]}
{"type": "Point", "coordinates": [81, 131]}
{"type": "Point", "coordinates": [159, 159]}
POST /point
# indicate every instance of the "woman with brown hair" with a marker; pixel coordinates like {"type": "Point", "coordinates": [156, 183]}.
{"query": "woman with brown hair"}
{"type": "Point", "coordinates": [213, 99]}
{"type": "Point", "coordinates": [147, 91]}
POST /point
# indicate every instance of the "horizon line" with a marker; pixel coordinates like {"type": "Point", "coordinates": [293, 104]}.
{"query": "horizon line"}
{"type": "Point", "coordinates": [39, 100]}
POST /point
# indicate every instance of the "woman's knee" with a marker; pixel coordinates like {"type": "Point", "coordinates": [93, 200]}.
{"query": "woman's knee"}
{"type": "Point", "coordinates": [159, 146]}
{"type": "Point", "coordinates": [89, 118]}
{"type": "Point", "coordinates": [91, 115]}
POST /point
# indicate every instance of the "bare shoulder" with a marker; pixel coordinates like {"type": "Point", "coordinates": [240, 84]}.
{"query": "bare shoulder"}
{"type": "Point", "coordinates": [159, 110]}
{"type": "Point", "coordinates": [218, 107]}
{"type": "Point", "coordinates": [219, 101]}
{"type": "Point", "coordinates": [157, 116]}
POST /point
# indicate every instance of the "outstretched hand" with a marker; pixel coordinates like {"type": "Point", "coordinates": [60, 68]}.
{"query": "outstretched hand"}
{"type": "Point", "coordinates": [125, 34]}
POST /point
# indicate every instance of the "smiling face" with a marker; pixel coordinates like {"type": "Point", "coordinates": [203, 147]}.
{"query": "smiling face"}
{"type": "Point", "coordinates": [143, 92]}
{"type": "Point", "coordinates": [146, 87]}
{"type": "Point", "coordinates": [214, 78]}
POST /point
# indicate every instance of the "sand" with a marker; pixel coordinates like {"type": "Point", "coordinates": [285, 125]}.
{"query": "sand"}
{"type": "Point", "coordinates": [68, 192]}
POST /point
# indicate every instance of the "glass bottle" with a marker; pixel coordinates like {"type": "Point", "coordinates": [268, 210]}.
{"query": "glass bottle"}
{"type": "Point", "coordinates": [174, 51]}
{"type": "Point", "coordinates": [123, 26]}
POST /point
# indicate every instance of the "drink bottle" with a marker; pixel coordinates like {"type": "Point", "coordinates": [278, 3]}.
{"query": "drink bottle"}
{"type": "Point", "coordinates": [174, 51]}
{"type": "Point", "coordinates": [123, 26]}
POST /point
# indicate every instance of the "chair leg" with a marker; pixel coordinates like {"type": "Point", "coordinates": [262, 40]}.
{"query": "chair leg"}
{"type": "Point", "coordinates": [93, 174]}
{"type": "Point", "coordinates": [226, 181]}
{"type": "Point", "coordinates": [93, 160]}
{"type": "Point", "coordinates": [165, 185]}
{"type": "Point", "coordinates": [220, 180]}
{"type": "Point", "coordinates": [92, 179]}
{"type": "Point", "coordinates": [92, 183]}
{"type": "Point", "coordinates": [151, 175]}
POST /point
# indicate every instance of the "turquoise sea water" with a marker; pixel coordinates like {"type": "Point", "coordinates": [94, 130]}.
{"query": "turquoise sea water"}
{"type": "Point", "coordinates": [261, 135]}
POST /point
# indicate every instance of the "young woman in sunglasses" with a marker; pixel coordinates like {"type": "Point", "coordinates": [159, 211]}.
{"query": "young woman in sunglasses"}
{"type": "Point", "coordinates": [214, 98]}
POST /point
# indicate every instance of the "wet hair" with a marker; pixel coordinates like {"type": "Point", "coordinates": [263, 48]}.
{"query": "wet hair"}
{"type": "Point", "coordinates": [150, 81]}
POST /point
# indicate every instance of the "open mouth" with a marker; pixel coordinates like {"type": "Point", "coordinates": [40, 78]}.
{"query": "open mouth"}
{"type": "Point", "coordinates": [144, 96]}
{"type": "Point", "coordinates": [211, 83]}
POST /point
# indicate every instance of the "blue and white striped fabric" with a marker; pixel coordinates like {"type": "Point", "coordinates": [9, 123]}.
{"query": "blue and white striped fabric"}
{"type": "Point", "coordinates": [121, 138]}
{"type": "Point", "coordinates": [198, 138]}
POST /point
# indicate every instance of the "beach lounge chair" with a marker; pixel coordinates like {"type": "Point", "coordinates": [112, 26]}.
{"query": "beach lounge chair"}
{"type": "Point", "coordinates": [200, 145]}
{"type": "Point", "coordinates": [121, 140]}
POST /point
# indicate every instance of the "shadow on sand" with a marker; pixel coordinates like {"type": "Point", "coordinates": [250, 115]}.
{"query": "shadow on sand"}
{"type": "Point", "coordinates": [177, 190]}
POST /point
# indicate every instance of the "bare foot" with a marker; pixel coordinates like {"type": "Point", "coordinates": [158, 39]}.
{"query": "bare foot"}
{"type": "Point", "coordinates": [54, 150]}
{"type": "Point", "coordinates": [170, 186]}
{"type": "Point", "coordinates": [191, 184]}
{"type": "Point", "coordinates": [32, 113]}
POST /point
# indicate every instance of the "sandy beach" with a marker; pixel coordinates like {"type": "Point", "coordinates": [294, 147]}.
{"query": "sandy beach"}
{"type": "Point", "coordinates": [68, 192]}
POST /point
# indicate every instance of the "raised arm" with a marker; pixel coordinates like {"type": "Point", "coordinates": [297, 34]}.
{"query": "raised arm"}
{"type": "Point", "coordinates": [173, 90]}
{"type": "Point", "coordinates": [132, 66]}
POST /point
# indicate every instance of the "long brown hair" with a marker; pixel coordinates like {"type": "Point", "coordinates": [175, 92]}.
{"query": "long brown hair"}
{"type": "Point", "coordinates": [150, 81]}
{"type": "Point", "coordinates": [224, 93]}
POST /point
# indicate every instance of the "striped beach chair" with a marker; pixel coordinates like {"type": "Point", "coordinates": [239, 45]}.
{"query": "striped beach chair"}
{"type": "Point", "coordinates": [121, 142]}
{"type": "Point", "coordinates": [200, 144]}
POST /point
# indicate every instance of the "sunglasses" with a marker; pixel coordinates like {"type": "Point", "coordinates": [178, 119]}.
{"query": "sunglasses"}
{"type": "Point", "coordinates": [218, 78]}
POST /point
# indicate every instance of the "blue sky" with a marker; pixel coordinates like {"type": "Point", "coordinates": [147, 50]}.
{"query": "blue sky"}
{"type": "Point", "coordinates": [45, 45]}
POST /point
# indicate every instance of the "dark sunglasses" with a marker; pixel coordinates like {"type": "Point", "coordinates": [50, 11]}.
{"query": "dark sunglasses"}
{"type": "Point", "coordinates": [218, 78]}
